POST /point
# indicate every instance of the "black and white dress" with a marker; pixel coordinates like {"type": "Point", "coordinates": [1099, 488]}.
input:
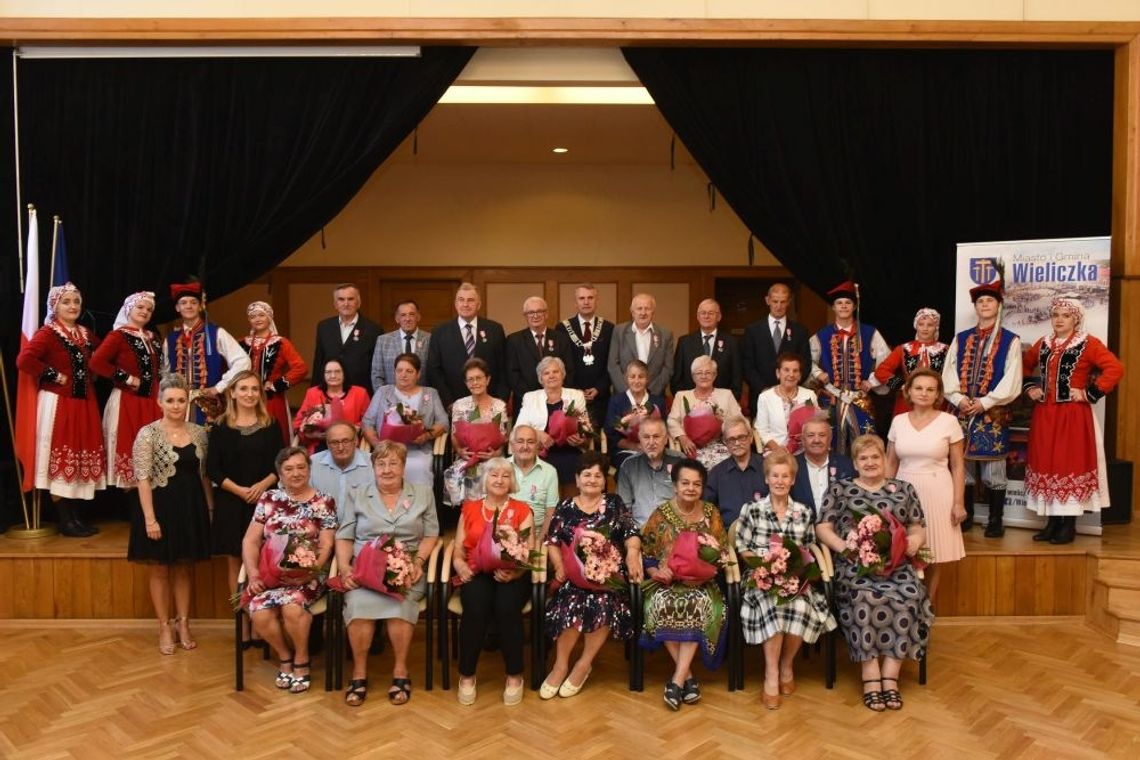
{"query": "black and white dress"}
{"type": "Point", "coordinates": [889, 616]}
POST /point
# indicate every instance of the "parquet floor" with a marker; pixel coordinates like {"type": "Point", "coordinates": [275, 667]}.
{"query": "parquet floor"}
{"type": "Point", "coordinates": [1039, 690]}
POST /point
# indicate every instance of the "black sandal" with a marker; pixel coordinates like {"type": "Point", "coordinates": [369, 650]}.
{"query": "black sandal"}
{"type": "Point", "coordinates": [357, 692]}
{"type": "Point", "coordinates": [892, 698]}
{"type": "Point", "coordinates": [400, 693]}
{"type": "Point", "coordinates": [873, 698]}
{"type": "Point", "coordinates": [691, 691]}
{"type": "Point", "coordinates": [300, 683]}
{"type": "Point", "coordinates": [673, 696]}
{"type": "Point", "coordinates": [284, 680]}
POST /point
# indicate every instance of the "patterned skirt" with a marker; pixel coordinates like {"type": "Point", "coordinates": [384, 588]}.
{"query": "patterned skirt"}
{"type": "Point", "coordinates": [806, 616]}
{"type": "Point", "coordinates": [686, 613]}
{"type": "Point", "coordinates": [587, 611]}
{"type": "Point", "coordinates": [888, 616]}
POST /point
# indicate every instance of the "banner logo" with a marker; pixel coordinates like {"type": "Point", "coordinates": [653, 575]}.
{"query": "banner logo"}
{"type": "Point", "coordinates": [983, 271]}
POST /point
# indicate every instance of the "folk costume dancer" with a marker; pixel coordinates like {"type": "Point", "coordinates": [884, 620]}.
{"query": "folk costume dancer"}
{"type": "Point", "coordinates": [204, 354]}
{"type": "Point", "coordinates": [275, 360]}
{"type": "Point", "coordinates": [844, 353]}
{"type": "Point", "coordinates": [982, 376]}
{"type": "Point", "coordinates": [924, 352]}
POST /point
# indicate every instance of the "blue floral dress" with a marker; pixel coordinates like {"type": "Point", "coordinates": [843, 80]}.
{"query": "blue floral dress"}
{"type": "Point", "coordinates": [280, 514]}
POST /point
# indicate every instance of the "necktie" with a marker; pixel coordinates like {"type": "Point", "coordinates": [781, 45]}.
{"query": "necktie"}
{"type": "Point", "coordinates": [469, 341]}
{"type": "Point", "coordinates": [407, 343]}
{"type": "Point", "coordinates": [777, 337]}
{"type": "Point", "coordinates": [708, 345]}
{"type": "Point", "coordinates": [587, 332]}
{"type": "Point", "coordinates": [538, 341]}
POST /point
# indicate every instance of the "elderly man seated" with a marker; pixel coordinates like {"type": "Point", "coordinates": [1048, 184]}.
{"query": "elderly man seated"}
{"type": "Point", "coordinates": [645, 481]}
{"type": "Point", "coordinates": [738, 480]}
{"type": "Point", "coordinates": [537, 480]}
{"type": "Point", "coordinates": [819, 467]}
{"type": "Point", "coordinates": [341, 466]}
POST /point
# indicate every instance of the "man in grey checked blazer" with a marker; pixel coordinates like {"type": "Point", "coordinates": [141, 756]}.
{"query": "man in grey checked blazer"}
{"type": "Point", "coordinates": [407, 335]}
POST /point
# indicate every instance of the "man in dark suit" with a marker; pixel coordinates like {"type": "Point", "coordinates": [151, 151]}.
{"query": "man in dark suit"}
{"type": "Point", "coordinates": [643, 339]}
{"type": "Point", "coordinates": [768, 338]}
{"type": "Point", "coordinates": [348, 337]}
{"type": "Point", "coordinates": [527, 347]}
{"type": "Point", "coordinates": [457, 340]}
{"type": "Point", "coordinates": [711, 342]}
{"type": "Point", "coordinates": [590, 337]}
{"type": "Point", "coordinates": [818, 466]}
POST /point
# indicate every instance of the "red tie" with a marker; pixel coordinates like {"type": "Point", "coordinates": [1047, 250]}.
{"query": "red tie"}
{"type": "Point", "coordinates": [587, 333]}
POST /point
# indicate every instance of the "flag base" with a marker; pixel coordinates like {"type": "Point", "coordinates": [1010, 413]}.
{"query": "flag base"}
{"type": "Point", "coordinates": [19, 532]}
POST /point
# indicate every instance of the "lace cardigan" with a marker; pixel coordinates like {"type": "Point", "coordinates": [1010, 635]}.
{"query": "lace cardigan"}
{"type": "Point", "coordinates": [155, 457]}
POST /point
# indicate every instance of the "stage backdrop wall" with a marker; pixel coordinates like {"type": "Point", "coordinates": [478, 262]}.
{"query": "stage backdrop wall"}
{"type": "Point", "coordinates": [1036, 271]}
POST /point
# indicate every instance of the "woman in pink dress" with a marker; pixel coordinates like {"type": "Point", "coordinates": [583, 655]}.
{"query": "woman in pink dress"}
{"type": "Point", "coordinates": [925, 449]}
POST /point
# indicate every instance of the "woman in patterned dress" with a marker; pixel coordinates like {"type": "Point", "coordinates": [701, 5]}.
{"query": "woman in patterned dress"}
{"type": "Point", "coordinates": [408, 393]}
{"type": "Point", "coordinates": [393, 507]}
{"type": "Point", "coordinates": [783, 628]}
{"type": "Point", "coordinates": [274, 360]}
{"type": "Point", "coordinates": [481, 406]}
{"type": "Point", "coordinates": [71, 459]}
{"type": "Point", "coordinates": [129, 357]}
{"type": "Point", "coordinates": [281, 615]}
{"type": "Point", "coordinates": [170, 530]}
{"type": "Point", "coordinates": [685, 616]}
{"type": "Point", "coordinates": [885, 619]}
{"type": "Point", "coordinates": [574, 612]}
{"type": "Point", "coordinates": [704, 397]}
{"type": "Point", "coordinates": [1065, 374]}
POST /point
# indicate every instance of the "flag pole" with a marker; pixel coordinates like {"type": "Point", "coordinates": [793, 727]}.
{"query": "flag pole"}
{"type": "Point", "coordinates": [16, 160]}
{"type": "Point", "coordinates": [55, 222]}
{"type": "Point", "coordinates": [12, 434]}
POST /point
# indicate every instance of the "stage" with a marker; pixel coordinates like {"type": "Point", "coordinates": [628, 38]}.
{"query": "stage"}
{"type": "Point", "coordinates": [1095, 577]}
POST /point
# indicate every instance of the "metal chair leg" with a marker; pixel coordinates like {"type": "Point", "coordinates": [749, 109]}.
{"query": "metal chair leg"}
{"type": "Point", "coordinates": [239, 661]}
{"type": "Point", "coordinates": [922, 671]}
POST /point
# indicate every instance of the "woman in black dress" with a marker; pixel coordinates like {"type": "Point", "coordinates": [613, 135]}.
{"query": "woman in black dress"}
{"type": "Point", "coordinates": [242, 447]}
{"type": "Point", "coordinates": [171, 530]}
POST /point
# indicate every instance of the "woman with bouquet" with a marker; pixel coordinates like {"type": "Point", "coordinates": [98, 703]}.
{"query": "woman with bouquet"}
{"type": "Point", "coordinates": [684, 607]}
{"type": "Point", "coordinates": [883, 608]}
{"type": "Point", "coordinates": [780, 619]}
{"type": "Point", "coordinates": [559, 415]}
{"type": "Point", "coordinates": [695, 419]}
{"type": "Point", "coordinates": [171, 529]}
{"type": "Point", "coordinates": [409, 414]}
{"type": "Point", "coordinates": [626, 410]}
{"type": "Point", "coordinates": [129, 357]}
{"type": "Point", "coordinates": [479, 429]}
{"type": "Point", "coordinates": [274, 360]}
{"type": "Point", "coordinates": [330, 401]}
{"type": "Point", "coordinates": [926, 450]}
{"type": "Point", "coordinates": [494, 544]}
{"type": "Point", "coordinates": [588, 536]}
{"type": "Point", "coordinates": [306, 519]}
{"type": "Point", "coordinates": [777, 420]}
{"type": "Point", "coordinates": [243, 446]}
{"type": "Point", "coordinates": [401, 511]}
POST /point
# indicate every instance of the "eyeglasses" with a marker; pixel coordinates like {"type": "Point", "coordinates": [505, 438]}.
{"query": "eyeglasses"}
{"type": "Point", "coordinates": [535, 313]}
{"type": "Point", "coordinates": [342, 442]}
{"type": "Point", "coordinates": [738, 439]}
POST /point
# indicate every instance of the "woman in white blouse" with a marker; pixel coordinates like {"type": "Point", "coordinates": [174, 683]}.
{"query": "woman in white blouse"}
{"type": "Point", "coordinates": [775, 405]}
{"type": "Point", "coordinates": [537, 406]}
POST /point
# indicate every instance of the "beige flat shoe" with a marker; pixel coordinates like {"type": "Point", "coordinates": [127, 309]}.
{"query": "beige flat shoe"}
{"type": "Point", "coordinates": [568, 689]}
{"type": "Point", "coordinates": [466, 693]}
{"type": "Point", "coordinates": [512, 695]}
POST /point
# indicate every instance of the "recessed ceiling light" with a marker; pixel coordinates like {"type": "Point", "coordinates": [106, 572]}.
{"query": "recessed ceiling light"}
{"type": "Point", "coordinates": [560, 150]}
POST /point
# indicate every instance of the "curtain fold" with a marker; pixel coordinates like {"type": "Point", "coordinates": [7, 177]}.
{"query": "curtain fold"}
{"type": "Point", "coordinates": [218, 168]}
{"type": "Point", "coordinates": [877, 162]}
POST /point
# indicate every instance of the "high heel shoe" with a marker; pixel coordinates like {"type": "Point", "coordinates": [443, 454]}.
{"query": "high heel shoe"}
{"type": "Point", "coordinates": [165, 637]}
{"type": "Point", "coordinates": [185, 640]}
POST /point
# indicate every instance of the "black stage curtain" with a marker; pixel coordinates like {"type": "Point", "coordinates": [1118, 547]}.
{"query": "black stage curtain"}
{"type": "Point", "coordinates": [218, 168]}
{"type": "Point", "coordinates": [877, 162]}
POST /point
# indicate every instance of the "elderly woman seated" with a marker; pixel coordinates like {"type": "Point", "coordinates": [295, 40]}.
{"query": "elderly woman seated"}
{"type": "Point", "coordinates": [626, 411]}
{"type": "Point", "coordinates": [782, 409]}
{"type": "Point", "coordinates": [580, 606]}
{"type": "Point", "coordinates": [410, 414]}
{"type": "Point", "coordinates": [886, 619]}
{"type": "Point", "coordinates": [684, 608]}
{"type": "Point", "coordinates": [491, 592]}
{"type": "Point", "coordinates": [696, 415]}
{"type": "Point", "coordinates": [538, 410]}
{"type": "Point", "coordinates": [404, 512]}
{"type": "Point", "coordinates": [280, 615]}
{"type": "Point", "coordinates": [781, 628]}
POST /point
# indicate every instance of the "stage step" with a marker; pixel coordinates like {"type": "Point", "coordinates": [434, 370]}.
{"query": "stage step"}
{"type": "Point", "coordinates": [1114, 599]}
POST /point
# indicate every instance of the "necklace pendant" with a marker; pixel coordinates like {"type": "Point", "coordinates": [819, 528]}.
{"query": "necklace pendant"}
{"type": "Point", "coordinates": [588, 360]}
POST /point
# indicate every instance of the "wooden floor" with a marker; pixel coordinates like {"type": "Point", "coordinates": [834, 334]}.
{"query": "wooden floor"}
{"type": "Point", "coordinates": [1042, 690]}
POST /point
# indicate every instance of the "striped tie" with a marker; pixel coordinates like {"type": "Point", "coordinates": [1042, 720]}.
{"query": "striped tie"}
{"type": "Point", "coordinates": [469, 341]}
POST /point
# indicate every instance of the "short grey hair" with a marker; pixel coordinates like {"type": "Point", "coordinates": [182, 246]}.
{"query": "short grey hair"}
{"type": "Point", "coordinates": [499, 464]}
{"type": "Point", "coordinates": [701, 361]}
{"type": "Point", "coordinates": [550, 361]}
{"type": "Point", "coordinates": [732, 421]}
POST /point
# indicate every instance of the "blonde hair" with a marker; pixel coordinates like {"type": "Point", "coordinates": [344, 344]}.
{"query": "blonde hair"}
{"type": "Point", "coordinates": [264, 418]}
{"type": "Point", "coordinates": [867, 441]}
{"type": "Point", "coordinates": [384, 448]}
{"type": "Point", "coordinates": [778, 457]}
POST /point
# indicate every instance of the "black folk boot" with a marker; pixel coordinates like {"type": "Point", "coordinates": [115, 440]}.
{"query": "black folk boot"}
{"type": "Point", "coordinates": [66, 520]}
{"type": "Point", "coordinates": [1066, 532]}
{"type": "Point", "coordinates": [1050, 530]}
{"type": "Point", "coordinates": [994, 526]}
